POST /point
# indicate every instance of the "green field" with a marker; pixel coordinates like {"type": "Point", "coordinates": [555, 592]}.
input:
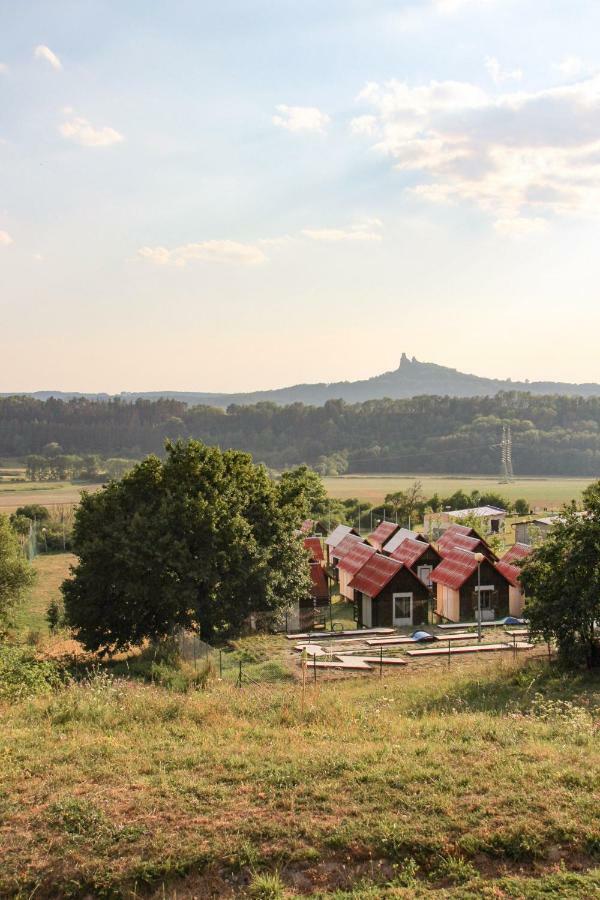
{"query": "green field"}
{"type": "Point", "coordinates": [541, 493]}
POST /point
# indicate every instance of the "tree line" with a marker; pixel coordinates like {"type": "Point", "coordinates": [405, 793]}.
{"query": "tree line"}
{"type": "Point", "coordinates": [552, 435]}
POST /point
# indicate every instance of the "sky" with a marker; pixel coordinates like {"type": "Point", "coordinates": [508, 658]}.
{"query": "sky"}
{"type": "Point", "coordinates": [245, 194]}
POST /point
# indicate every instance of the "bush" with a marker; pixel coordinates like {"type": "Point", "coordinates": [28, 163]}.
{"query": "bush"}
{"type": "Point", "coordinates": [23, 675]}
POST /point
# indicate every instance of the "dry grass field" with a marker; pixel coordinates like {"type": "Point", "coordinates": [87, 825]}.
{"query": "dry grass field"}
{"type": "Point", "coordinates": [15, 494]}
{"type": "Point", "coordinates": [542, 493]}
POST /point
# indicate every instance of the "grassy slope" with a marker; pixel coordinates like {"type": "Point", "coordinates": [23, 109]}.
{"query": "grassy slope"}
{"type": "Point", "coordinates": [426, 782]}
{"type": "Point", "coordinates": [51, 570]}
{"type": "Point", "coordinates": [540, 492]}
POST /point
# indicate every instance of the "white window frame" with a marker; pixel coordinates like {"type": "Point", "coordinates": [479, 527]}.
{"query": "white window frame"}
{"type": "Point", "coordinates": [403, 620]}
{"type": "Point", "coordinates": [427, 580]}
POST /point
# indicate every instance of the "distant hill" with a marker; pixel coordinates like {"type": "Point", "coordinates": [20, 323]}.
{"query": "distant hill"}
{"type": "Point", "coordinates": [411, 379]}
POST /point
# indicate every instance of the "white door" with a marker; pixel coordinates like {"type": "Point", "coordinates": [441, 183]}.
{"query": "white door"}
{"type": "Point", "coordinates": [367, 612]}
{"type": "Point", "coordinates": [424, 573]}
{"type": "Point", "coordinates": [402, 609]}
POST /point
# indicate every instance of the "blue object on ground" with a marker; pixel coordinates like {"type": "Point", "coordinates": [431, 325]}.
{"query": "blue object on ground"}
{"type": "Point", "coordinates": [422, 636]}
{"type": "Point", "coordinates": [511, 620]}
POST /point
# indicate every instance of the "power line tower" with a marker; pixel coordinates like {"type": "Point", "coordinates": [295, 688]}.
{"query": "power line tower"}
{"type": "Point", "coordinates": [506, 466]}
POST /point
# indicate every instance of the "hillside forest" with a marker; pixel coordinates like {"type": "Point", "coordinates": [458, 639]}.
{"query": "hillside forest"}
{"type": "Point", "coordinates": [552, 435]}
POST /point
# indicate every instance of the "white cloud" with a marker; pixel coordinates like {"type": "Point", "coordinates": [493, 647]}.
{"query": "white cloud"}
{"type": "Point", "coordinates": [514, 155]}
{"type": "Point", "coordinates": [453, 6]}
{"type": "Point", "coordinates": [500, 75]}
{"type": "Point", "coordinates": [301, 118]}
{"type": "Point", "coordinates": [45, 53]}
{"type": "Point", "coordinates": [573, 67]}
{"type": "Point", "coordinates": [205, 251]}
{"type": "Point", "coordinates": [367, 230]}
{"type": "Point", "coordinates": [5, 239]}
{"type": "Point", "coordinates": [3, 68]}
{"type": "Point", "coordinates": [83, 132]}
{"type": "Point", "coordinates": [520, 227]}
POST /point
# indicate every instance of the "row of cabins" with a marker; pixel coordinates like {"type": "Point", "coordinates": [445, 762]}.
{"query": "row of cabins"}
{"type": "Point", "coordinates": [394, 575]}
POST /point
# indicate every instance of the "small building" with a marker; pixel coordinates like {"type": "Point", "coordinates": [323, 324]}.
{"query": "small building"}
{"type": "Point", "coordinates": [315, 549]}
{"type": "Point", "coordinates": [492, 518]}
{"type": "Point", "coordinates": [453, 540]}
{"type": "Point", "coordinates": [401, 535]}
{"type": "Point", "coordinates": [533, 530]}
{"type": "Point", "coordinates": [349, 565]}
{"type": "Point", "coordinates": [420, 556]}
{"type": "Point", "coordinates": [456, 588]}
{"type": "Point", "coordinates": [382, 534]}
{"type": "Point", "coordinates": [336, 536]}
{"type": "Point", "coordinates": [303, 614]}
{"type": "Point", "coordinates": [509, 567]}
{"type": "Point", "coordinates": [389, 594]}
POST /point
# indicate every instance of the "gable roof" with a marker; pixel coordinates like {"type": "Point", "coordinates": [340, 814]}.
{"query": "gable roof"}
{"type": "Point", "coordinates": [375, 574]}
{"type": "Point", "coordinates": [356, 557]}
{"type": "Point", "coordinates": [508, 565]}
{"type": "Point", "coordinates": [313, 545]}
{"type": "Point", "coordinates": [455, 568]}
{"type": "Point", "coordinates": [345, 545]}
{"type": "Point", "coordinates": [410, 551]}
{"type": "Point", "coordinates": [461, 541]}
{"type": "Point", "coordinates": [382, 533]}
{"type": "Point", "coordinates": [483, 512]}
{"type": "Point", "coordinates": [333, 539]}
{"type": "Point", "coordinates": [318, 582]}
{"type": "Point", "coordinates": [401, 535]}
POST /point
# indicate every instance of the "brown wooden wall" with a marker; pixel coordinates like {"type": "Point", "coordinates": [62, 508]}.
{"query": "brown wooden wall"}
{"type": "Point", "coordinates": [403, 583]}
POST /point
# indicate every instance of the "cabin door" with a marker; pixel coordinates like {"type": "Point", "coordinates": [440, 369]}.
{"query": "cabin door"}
{"type": "Point", "coordinates": [402, 609]}
{"type": "Point", "coordinates": [367, 612]}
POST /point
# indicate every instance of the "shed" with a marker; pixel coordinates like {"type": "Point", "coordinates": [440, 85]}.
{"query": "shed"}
{"type": "Point", "coordinates": [456, 588]}
{"type": "Point", "coordinates": [389, 594]}
{"type": "Point", "coordinates": [382, 534]}
{"type": "Point", "coordinates": [350, 564]}
{"type": "Point", "coordinates": [313, 526]}
{"type": "Point", "coordinates": [419, 556]}
{"type": "Point", "coordinates": [509, 567]}
{"type": "Point", "coordinates": [492, 516]}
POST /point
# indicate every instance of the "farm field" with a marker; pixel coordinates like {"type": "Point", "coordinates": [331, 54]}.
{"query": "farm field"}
{"type": "Point", "coordinates": [51, 569]}
{"type": "Point", "coordinates": [15, 494]}
{"type": "Point", "coordinates": [542, 493]}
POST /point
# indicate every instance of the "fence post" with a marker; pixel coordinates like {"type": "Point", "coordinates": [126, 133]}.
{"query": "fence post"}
{"type": "Point", "coordinates": [221, 664]}
{"type": "Point", "coordinates": [381, 662]}
{"type": "Point", "coordinates": [315, 666]}
{"type": "Point", "coordinates": [449, 642]}
{"type": "Point", "coordinates": [240, 675]}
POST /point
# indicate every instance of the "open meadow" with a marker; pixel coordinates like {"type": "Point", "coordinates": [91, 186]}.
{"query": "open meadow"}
{"type": "Point", "coordinates": [15, 494]}
{"type": "Point", "coordinates": [478, 779]}
{"type": "Point", "coordinates": [541, 493]}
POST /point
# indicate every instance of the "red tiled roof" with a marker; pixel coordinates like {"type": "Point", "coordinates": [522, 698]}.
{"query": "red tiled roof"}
{"type": "Point", "coordinates": [458, 529]}
{"type": "Point", "coordinates": [313, 545]}
{"type": "Point", "coordinates": [409, 551]}
{"type": "Point", "coordinates": [345, 545]}
{"type": "Point", "coordinates": [382, 533]}
{"type": "Point", "coordinates": [507, 566]}
{"type": "Point", "coordinates": [318, 586]}
{"type": "Point", "coordinates": [462, 542]}
{"type": "Point", "coordinates": [375, 574]}
{"type": "Point", "coordinates": [356, 558]}
{"type": "Point", "coordinates": [455, 568]}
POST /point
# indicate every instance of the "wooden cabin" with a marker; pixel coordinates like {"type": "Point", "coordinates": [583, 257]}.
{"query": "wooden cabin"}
{"type": "Point", "coordinates": [420, 556]}
{"type": "Point", "coordinates": [389, 594]}
{"type": "Point", "coordinates": [303, 614]}
{"type": "Point", "coordinates": [382, 534]}
{"type": "Point", "coordinates": [344, 546]}
{"type": "Point", "coordinates": [509, 567]}
{"type": "Point", "coordinates": [401, 535]}
{"type": "Point", "coordinates": [492, 518]}
{"type": "Point", "coordinates": [349, 565]}
{"type": "Point", "coordinates": [454, 540]}
{"type": "Point", "coordinates": [314, 526]}
{"type": "Point", "coordinates": [336, 536]}
{"type": "Point", "coordinates": [455, 581]}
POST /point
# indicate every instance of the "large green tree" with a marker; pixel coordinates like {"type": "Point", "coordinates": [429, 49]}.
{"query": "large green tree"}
{"type": "Point", "coordinates": [561, 581]}
{"type": "Point", "coordinates": [200, 540]}
{"type": "Point", "coordinates": [16, 575]}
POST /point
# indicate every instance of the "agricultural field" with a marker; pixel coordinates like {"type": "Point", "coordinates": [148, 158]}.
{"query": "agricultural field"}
{"type": "Point", "coordinates": [542, 493]}
{"type": "Point", "coordinates": [51, 569]}
{"type": "Point", "coordinates": [15, 494]}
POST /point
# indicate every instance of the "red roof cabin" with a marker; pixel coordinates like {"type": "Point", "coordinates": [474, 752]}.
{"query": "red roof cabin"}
{"type": "Point", "coordinates": [455, 581]}
{"type": "Point", "coordinates": [457, 541]}
{"type": "Point", "coordinates": [389, 594]}
{"type": "Point", "coordinates": [510, 568]}
{"type": "Point", "coordinates": [313, 526]}
{"type": "Point", "coordinates": [419, 556]}
{"type": "Point", "coordinates": [382, 534]}
{"type": "Point", "coordinates": [315, 548]}
{"type": "Point", "coordinates": [337, 535]}
{"type": "Point", "coordinates": [344, 546]}
{"type": "Point", "coordinates": [349, 565]}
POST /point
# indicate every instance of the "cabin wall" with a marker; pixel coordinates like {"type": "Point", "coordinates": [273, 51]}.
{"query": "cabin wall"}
{"type": "Point", "coordinates": [382, 605]}
{"type": "Point", "coordinates": [516, 601]}
{"type": "Point", "coordinates": [447, 603]}
{"type": "Point", "coordinates": [344, 581]}
{"type": "Point", "coordinates": [489, 576]}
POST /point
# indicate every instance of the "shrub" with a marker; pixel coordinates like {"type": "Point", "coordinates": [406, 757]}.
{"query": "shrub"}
{"type": "Point", "coordinates": [265, 886]}
{"type": "Point", "coordinates": [23, 675]}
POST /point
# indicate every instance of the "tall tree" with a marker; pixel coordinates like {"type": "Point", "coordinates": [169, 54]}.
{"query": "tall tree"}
{"type": "Point", "coordinates": [200, 540]}
{"type": "Point", "coordinates": [16, 575]}
{"type": "Point", "coordinates": [561, 583]}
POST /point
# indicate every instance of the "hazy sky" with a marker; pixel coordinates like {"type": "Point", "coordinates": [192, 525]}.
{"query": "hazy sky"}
{"type": "Point", "coordinates": [243, 194]}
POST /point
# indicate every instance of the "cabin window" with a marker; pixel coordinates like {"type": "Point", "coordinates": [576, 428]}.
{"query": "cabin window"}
{"type": "Point", "coordinates": [487, 597]}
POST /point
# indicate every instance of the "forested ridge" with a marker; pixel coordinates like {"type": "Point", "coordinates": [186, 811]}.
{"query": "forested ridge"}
{"type": "Point", "coordinates": [552, 435]}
